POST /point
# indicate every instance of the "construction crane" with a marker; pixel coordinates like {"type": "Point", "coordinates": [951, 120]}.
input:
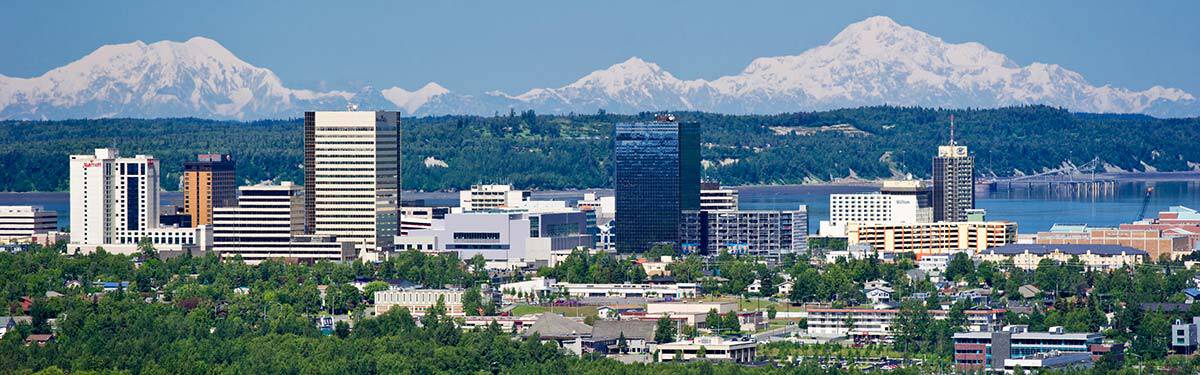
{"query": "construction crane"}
{"type": "Point", "coordinates": [1145, 203]}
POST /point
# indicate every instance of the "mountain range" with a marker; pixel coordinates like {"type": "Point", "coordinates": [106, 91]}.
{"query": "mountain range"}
{"type": "Point", "coordinates": [871, 62]}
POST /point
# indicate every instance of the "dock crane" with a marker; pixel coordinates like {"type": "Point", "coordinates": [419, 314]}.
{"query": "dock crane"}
{"type": "Point", "coordinates": [1145, 203]}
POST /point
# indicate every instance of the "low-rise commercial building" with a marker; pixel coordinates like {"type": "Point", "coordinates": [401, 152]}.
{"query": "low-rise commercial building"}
{"type": "Point", "coordinates": [1048, 361]}
{"type": "Point", "coordinates": [989, 350]}
{"type": "Point", "coordinates": [933, 238]}
{"type": "Point", "coordinates": [418, 218]}
{"type": "Point", "coordinates": [690, 313]}
{"type": "Point", "coordinates": [767, 235]}
{"type": "Point", "coordinates": [419, 301]}
{"type": "Point", "coordinates": [505, 237]}
{"type": "Point", "coordinates": [21, 223]}
{"type": "Point", "coordinates": [676, 291]}
{"type": "Point", "coordinates": [709, 348]}
{"type": "Point", "coordinates": [1185, 337]}
{"type": "Point", "coordinates": [1093, 257]}
{"type": "Point", "coordinates": [1158, 243]}
{"type": "Point", "coordinates": [876, 324]}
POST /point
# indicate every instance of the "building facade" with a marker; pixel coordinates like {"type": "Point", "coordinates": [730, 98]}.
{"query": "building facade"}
{"type": "Point", "coordinates": [953, 183]}
{"type": "Point", "coordinates": [419, 301]}
{"type": "Point", "coordinates": [656, 174]}
{"type": "Point", "coordinates": [268, 223]}
{"type": "Point", "coordinates": [21, 223]}
{"type": "Point", "coordinates": [715, 198]}
{"type": "Point", "coordinates": [768, 235]}
{"type": "Point", "coordinates": [352, 177]}
{"type": "Point", "coordinates": [1092, 257]}
{"type": "Point", "coordinates": [491, 197]}
{"type": "Point", "coordinates": [875, 325]}
{"type": "Point", "coordinates": [1157, 243]}
{"type": "Point", "coordinates": [512, 237]}
{"type": "Point", "coordinates": [111, 194]}
{"type": "Point", "coordinates": [990, 349]}
{"type": "Point", "coordinates": [736, 350]}
{"type": "Point", "coordinates": [208, 182]}
{"type": "Point", "coordinates": [933, 238]}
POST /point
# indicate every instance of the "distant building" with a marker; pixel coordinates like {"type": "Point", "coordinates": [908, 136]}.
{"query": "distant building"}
{"type": "Point", "coordinates": [735, 350]}
{"type": "Point", "coordinates": [418, 218]}
{"type": "Point", "coordinates": [933, 238]}
{"type": "Point", "coordinates": [1049, 361]}
{"type": "Point", "coordinates": [715, 198]}
{"type": "Point", "coordinates": [604, 208]}
{"type": "Point", "coordinates": [1093, 257]}
{"type": "Point", "coordinates": [352, 178]}
{"type": "Point", "coordinates": [22, 223]}
{"type": "Point", "coordinates": [209, 181]}
{"type": "Point", "coordinates": [909, 187]}
{"type": "Point", "coordinates": [675, 291]}
{"type": "Point", "coordinates": [953, 183]}
{"type": "Point", "coordinates": [1185, 337]}
{"type": "Point", "coordinates": [656, 174]}
{"type": "Point", "coordinates": [607, 334]}
{"type": "Point", "coordinates": [491, 197]}
{"type": "Point", "coordinates": [875, 325]}
{"type": "Point", "coordinates": [513, 237]}
{"type": "Point", "coordinates": [1157, 243]}
{"type": "Point", "coordinates": [872, 209]}
{"type": "Point", "coordinates": [690, 313]}
{"type": "Point", "coordinates": [768, 235]}
{"type": "Point", "coordinates": [268, 223]}
{"type": "Point", "coordinates": [990, 350]}
{"type": "Point", "coordinates": [419, 301]}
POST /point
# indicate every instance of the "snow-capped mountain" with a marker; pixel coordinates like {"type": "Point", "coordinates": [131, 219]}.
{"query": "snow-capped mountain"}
{"type": "Point", "coordinates": [875, 61]}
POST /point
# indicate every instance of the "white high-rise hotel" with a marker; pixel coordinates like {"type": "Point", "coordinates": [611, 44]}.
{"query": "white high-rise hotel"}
{"type": "Point", "coordinates": [352, 177]}
{"type": "Point", "coordinates": [111, 195]}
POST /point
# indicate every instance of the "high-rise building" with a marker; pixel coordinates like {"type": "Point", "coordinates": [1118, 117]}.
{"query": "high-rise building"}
{"type": "Point", "coordinates": [656, 173]}
{"type": "Point", "coordinates": [209, 181]}
{"type": "Point", "coordinates": [953, 183]}
{"type": "Point", "coordinates": [352, 177]}
{"type": "Point", "coordinates": [268, 222]}
{"type": "Point", "coordinates": [110, 194]}
{"type": "Point", "coordinates": [23, 222]}
{"type": "Point", "coordinates": [910, 187]}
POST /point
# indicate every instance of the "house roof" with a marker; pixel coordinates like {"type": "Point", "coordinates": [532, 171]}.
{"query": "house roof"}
{"type": "Point", "coordinates": [14, 320]}
{"type": "Point", "coordinates": [606, 330]}
{"type": "Point", "coordinates": [554, 326]}
{"type": "Point", "coordinates": [1192, 292]}
{"type": "Point", "coordinates": [1028, 291]}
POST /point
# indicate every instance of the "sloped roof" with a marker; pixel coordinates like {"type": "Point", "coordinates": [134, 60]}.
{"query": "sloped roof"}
{"type": "Point", "coordinates": [606, 330]}
{"type": "Point", "coordinates": [554, 326]}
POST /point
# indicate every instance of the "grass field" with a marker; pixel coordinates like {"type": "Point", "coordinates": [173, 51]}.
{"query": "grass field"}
{"type": "Point", "coordinates": [565, 310]}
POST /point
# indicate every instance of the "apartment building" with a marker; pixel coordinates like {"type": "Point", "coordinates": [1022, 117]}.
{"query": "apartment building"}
{"type": "Point", "coordinates": [767, 235]}
{"type": "Point", "coordinates": [933, 238]}
{"type": "Point", "coordinates": [876, 324]}
{"type": "Point", "coordinates": [1093, 257]}
{"type": "Point", "coordinates": [352, 178]}
{"type": "Point", "coordinates": [713, 197]}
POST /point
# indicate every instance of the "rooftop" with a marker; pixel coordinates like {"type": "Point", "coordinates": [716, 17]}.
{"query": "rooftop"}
{"type": "Point", "coordinates": [1070, 249]}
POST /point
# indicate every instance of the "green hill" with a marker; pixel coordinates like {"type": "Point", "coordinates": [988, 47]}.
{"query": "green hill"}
{"type": "Point", "coordinates": [571, 151]}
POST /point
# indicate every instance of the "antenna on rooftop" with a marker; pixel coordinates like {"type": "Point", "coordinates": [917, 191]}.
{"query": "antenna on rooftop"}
{"type": "Point", "coordinates": [351, 107]}
{"type": "Point", "coordinates": [952, 130]}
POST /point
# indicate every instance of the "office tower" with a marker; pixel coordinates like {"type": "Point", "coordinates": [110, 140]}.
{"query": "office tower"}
{"type": "Point", "coordinates": [112, 194]}
{"type": "Point", "coordinates": [209, 181]}
{"type": "Point", "coordinates": [490, 197]}
{"type": "Point", "coordinates": [715, 198]}
{"type": "Point", "coordinates": [953, 181]}
{"type": "Point", "coordinates": [352, 177]}
{"type": "Point", "coordinates": [656, 173]}
{"type": "Point", "coordinates": [268, 222]}
{"type": "Point", "coordinates": [23, 222]}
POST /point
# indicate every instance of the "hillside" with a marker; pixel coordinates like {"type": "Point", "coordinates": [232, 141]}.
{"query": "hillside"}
{"type": "Point", "coordinates": [571, 151]}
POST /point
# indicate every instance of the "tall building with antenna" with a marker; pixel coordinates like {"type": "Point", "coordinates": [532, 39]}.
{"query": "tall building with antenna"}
{"type": "Point", "coordinates": [953, 181]}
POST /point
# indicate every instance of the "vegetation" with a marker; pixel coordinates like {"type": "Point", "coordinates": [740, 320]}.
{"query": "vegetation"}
{"type": "Point", "coordinates": [572, 151]}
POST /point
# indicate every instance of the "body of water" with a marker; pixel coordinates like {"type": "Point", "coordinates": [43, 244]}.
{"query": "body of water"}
{"type": "Point", "coordinates": [1033, 210]}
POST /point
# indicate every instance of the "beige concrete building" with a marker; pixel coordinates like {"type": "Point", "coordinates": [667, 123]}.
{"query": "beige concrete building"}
{"type": "Point", "coordinates": [1094, 257]}
{"type": "Point", "coordinates": [1157, 243]}
{"type": "Point", "coordinates": [709, 348]}
{"type": "Point", "coordinates": [418, 301]}
{"type": "Point", "coordinates": [932, 238]}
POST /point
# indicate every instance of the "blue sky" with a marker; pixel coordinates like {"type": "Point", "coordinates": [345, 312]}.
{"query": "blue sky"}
{"type": "Point", "coordinates": [475, 46]}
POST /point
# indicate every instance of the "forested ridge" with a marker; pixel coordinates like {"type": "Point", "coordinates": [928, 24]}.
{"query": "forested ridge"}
{"type": "Point", "coordinates": [572, 151]}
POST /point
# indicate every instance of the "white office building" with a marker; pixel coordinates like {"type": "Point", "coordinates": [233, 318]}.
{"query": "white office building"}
{"type": "Point", "coordinates": [268, 222]}
{"type": "Point", "coordinates": [352, 178]}
{"type": "Point", "coordinates": [21, 223]}
{"type": "Point", "coordinates": [872, 208]}
{"type": "Point", "coordinates": [514, 237]}
{"type": "Point", "coordinates": [605, 208]}
{"type": "Point", "coordinates": [491, 197]}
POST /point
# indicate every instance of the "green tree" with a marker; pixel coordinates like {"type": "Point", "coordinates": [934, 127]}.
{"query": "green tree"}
{"type": "Point", "coordinates": [664, 331]}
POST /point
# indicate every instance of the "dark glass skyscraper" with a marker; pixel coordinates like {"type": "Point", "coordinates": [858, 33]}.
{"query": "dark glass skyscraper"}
{"type": "Point", "coordinates": [656, 174]}
{"type": "Point", "coordinates": [953, 183]}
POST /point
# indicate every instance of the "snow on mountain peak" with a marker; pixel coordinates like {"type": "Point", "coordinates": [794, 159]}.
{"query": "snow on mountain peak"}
{"type": "Point", "coordinates": [411, 101]}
